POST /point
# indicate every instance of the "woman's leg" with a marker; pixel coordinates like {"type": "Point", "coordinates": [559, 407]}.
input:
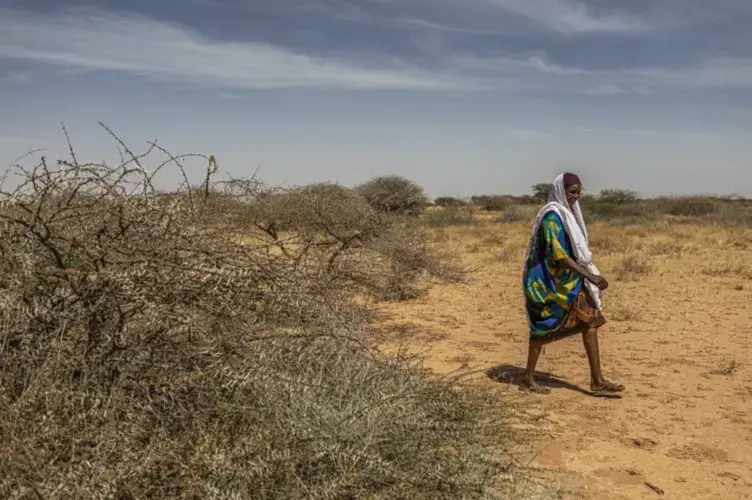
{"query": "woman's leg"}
{"type": "Point", "coordinates": [533, 354]}
{"type": "Point", "coordinates": [597, 382]}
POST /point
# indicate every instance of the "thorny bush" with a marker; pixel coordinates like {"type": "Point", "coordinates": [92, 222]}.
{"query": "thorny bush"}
{"type": "Point", "coordinates": [394, 194]}
{"type": "Point", "coordinates": [449, 201]}
{"type": "Point", "coordinates": [149, 350]}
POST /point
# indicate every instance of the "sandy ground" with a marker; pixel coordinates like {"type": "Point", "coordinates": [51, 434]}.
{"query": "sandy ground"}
{"type": "Point", "coordinates": [678, 337]}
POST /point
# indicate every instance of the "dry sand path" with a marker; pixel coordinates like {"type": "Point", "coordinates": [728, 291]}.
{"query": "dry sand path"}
{"type": "Point", "coordinates": [684, 424]}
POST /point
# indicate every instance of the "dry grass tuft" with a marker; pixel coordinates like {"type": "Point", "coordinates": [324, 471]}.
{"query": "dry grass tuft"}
{"type": "Point", "coordinates": [510, 253]}
{"type": "Point", "coordinates": [605, 243]}
{"type": "Point", "coordinates": [732, 269]}
{"type": "Point", "coordinates": [632, 268]}
{"type": "Point", "coordinates": [666, 248]}
{"type": "Point", "coordinates": [623, 312]}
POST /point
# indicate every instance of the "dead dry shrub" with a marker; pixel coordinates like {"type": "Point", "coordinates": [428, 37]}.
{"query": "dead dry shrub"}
{"type": "Point", "coordinates": [492, 203]}
{"type": "Point", "coordinates": [623, 208]}
{"type": "Point", "coordinates": [449, 201]}
{"type": "Point", "coordinates": [513, 214]}
{"type": "Point", "coordinates": [617, 209]}
{"type": "Point", "coordinates": [404, 258]}
{"type": "Point", "coordinates": [383, 255]}
{"type": "Point", "coordinates": [448, 217]}
{"type": "Point", "coordinates": [394, 194]}
{"type": "Point", "coordinates": [145, 353]}
{"type": "Point", "coordinates": [737, 213]}
{"type": "Point", "coordinates": [618, 196]}
{"type": "Point", "coordinates": [696, 206]}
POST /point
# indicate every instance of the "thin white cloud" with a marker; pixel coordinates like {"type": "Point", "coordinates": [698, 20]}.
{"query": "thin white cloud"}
{"type": "Point", "coordinates": [358, 15]}
{"type": "Point", "coordinates": [541, 63]}
{"type": "Point", "coordinates": [538, 71]}
{"type": "Point", "coordinates": [88, 41]}
{"type": "Point", "coordinates": [574, 17]}
{"type": "Point", "coordinates": [605, 90]}
{"type": "Point", "coordinates": [139, 45]}
{"type": "Point", "coordinates": [492, 17]}
{"type": "Point", "coordinates": [437, 15]}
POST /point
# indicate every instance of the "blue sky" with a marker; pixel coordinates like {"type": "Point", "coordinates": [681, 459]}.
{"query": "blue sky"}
{"type": "Point", "coordinates": [462, 96]}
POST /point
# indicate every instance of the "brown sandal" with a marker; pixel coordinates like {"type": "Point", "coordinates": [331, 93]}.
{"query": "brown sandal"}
{"type": "Point", "coordinates": [607, 388]}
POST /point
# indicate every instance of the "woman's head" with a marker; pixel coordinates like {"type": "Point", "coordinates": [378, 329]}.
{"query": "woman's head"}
{"type": "Point", "coordinates": [572, 188]}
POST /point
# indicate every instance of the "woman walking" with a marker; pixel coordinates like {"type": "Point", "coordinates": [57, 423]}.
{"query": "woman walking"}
{"type": "Point", "coordinates": [563, 288]}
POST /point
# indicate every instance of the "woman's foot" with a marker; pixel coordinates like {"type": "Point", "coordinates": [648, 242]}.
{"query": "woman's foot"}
{"type": "Point", "coordinates": [528, 385]}
{"type": "Point", "coordinates": [604, 386]}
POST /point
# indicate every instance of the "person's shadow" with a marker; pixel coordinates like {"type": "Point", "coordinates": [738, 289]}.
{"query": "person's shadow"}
{"type": "Point", "coordinates": [514, 375]}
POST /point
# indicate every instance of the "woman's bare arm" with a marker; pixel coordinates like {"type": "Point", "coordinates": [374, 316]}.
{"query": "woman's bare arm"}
{"type": "Point", "coordinates": [572, 265]}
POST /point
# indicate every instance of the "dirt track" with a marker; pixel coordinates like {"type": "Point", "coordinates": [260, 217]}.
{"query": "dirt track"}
{"type": "Point", "coordinates": [678, 337]}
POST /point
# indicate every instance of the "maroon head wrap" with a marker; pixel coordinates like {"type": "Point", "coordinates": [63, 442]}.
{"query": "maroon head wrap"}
{"type": "Point", "coordinates": [571, 179]}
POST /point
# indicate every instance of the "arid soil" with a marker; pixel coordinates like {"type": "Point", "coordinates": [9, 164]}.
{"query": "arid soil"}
{"type": "Point", "coordinates": [679, 337]}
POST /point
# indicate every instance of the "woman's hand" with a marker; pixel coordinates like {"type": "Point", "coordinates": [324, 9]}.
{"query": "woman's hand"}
{"type": "Point", "coordinates": [595, 279]}
{"type": "Point", "coordinates": [598, 281]}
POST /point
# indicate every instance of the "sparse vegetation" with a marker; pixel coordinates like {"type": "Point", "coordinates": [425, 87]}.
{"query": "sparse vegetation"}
{"type": "Point", "coordinates": [394, 194]}
{"type": "Point", "coordinates": [217, 341]}
{"type": "Point", "coordinates": [666, 248]}
{"type": "Point", "coordinates": [150, 349]}
{"type": "Point", "coordinates": [632, 268]}
{"type": "Point", "coordinates": [688, 207]}
{"type": "Point", "coordinates": [541, 190]}
{"type": "Point", "coordinates": [734, 269]}
{"type": "Point", "coordinates": [447, 217]}
{"type": "Point", "coordinates": [605, 243]}
{"type": "Point", "coordinates": [618, 197]}
{"type": "Point", "coordinates": [494, 203]}
{"type": "Point", "coordinates": [512, 214]}
{"type": "Point", "coordinates": [448, 201]}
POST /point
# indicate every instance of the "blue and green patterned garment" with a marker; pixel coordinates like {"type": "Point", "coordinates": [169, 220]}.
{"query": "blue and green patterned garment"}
{"type": "Point", "coordinates": [549, 288]}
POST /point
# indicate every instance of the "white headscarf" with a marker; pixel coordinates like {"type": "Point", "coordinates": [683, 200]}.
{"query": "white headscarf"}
{"type": "Point", "coordinates": [574, 225]}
